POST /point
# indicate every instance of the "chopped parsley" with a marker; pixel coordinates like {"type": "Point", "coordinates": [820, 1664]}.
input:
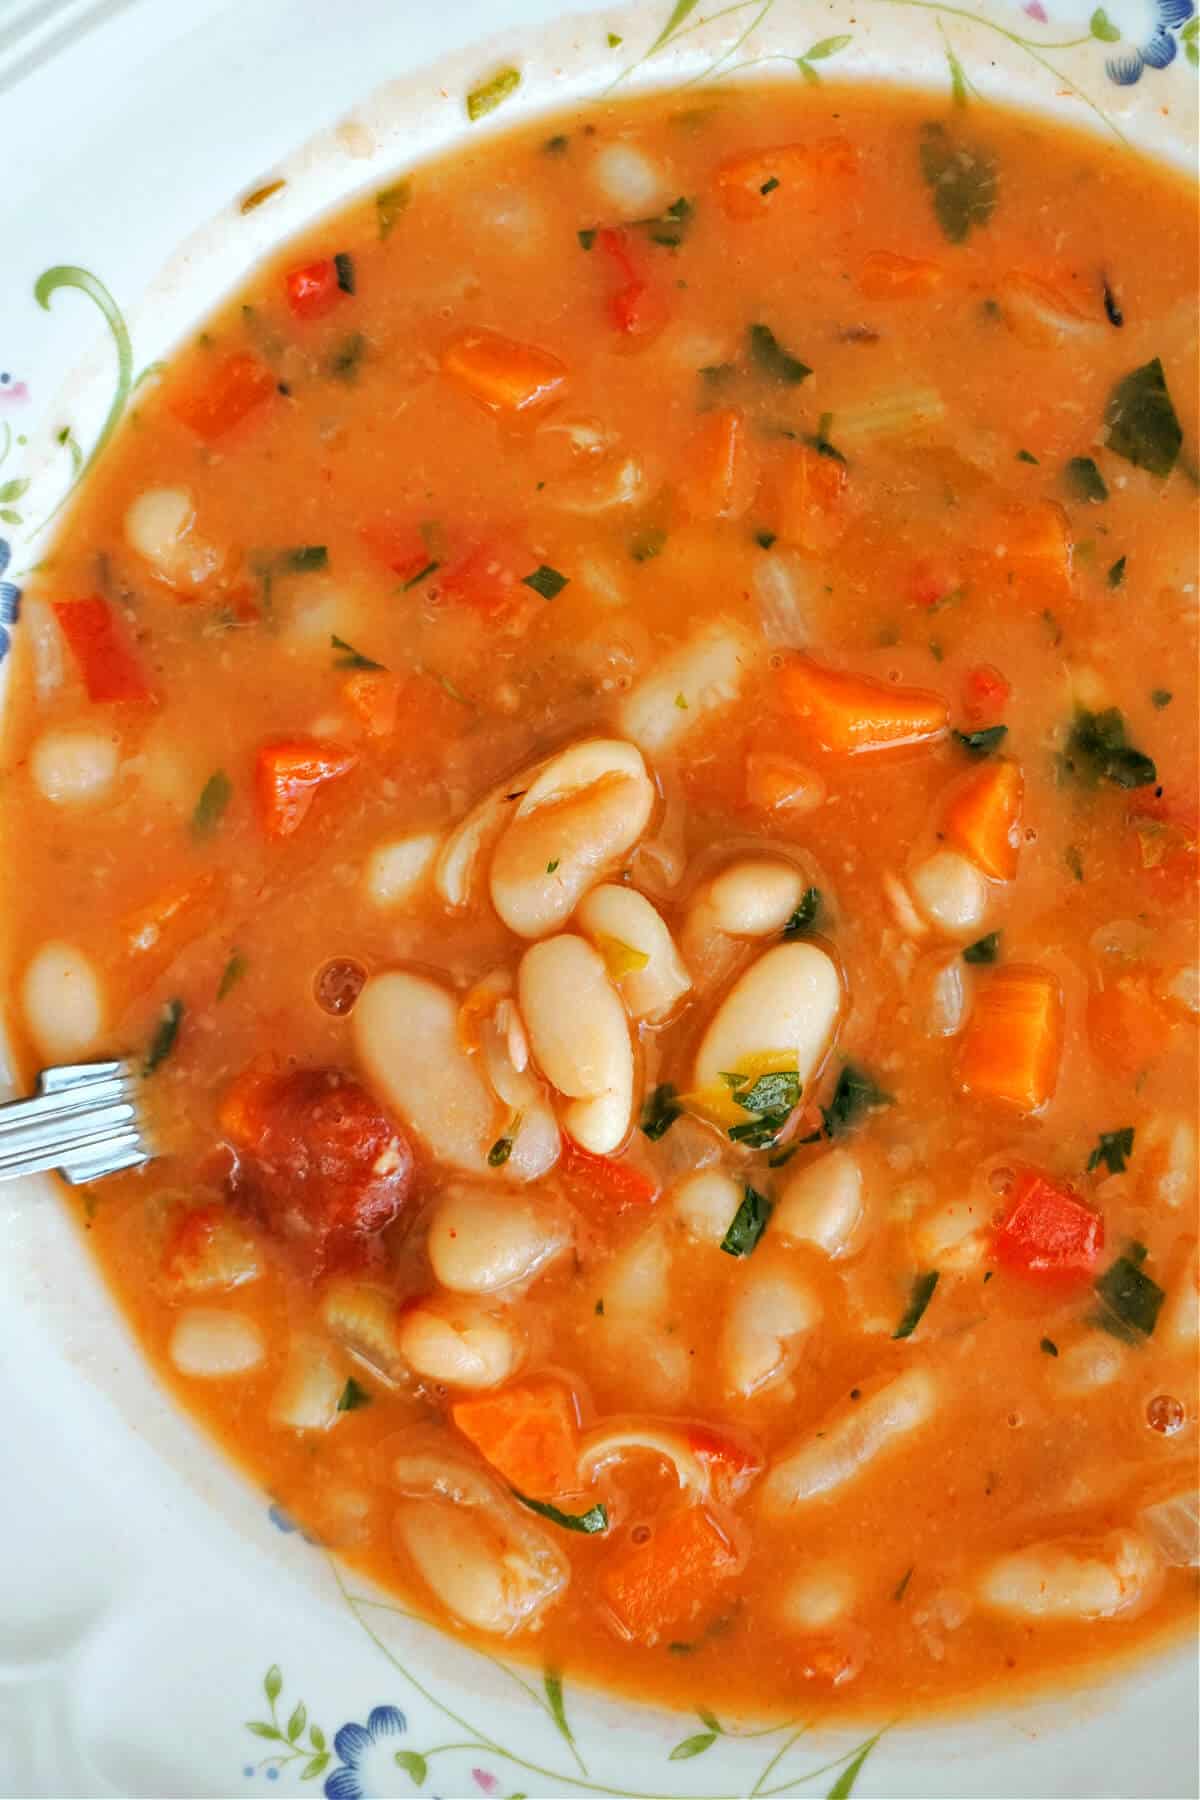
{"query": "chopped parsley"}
{"type": "Point", "coordinates": [764, 539]}
{"type": "Point", "coordinates": [748, 1223]}
{"type": "Point", "coordinates": [420, 576]}
{"type": "Point", "coordinates": [1141, 422]}
{"type": "Point", "coordinates": [305, 559]}
{"type": "Point", "coordinates": [1112, 307]}
{"type": "Point", "coordinates": [984, 949]}
{"type": "Point", "coordinates": [855, 1095]}
{"type": "Point", "coordinates": [1074, 861]}
{"type": "Point", "coordinates": [901, 1587]}
{"type": "Point", "coordinates": [981, 743]}
{"type": "Point", "coordinates": [660, 1111]}
{"type": "Point", "coordinates": [961, 180]}
{"type": "Point", "coordinates": [648, 544]}
{"type": "Point", "coordinates": [1026, 456]}
{"type": "Point", "coordinates": [215, 796]}
{"type": "Point", "coordinates": [594, 1520]}
{"type": "Point", "coordinates": [390, 202]}
{"type": "Point", "coordinates": [773, 360]}
{"type": "Point", "coordinates": [490, 94]}
{"type": "Point", "coordinates": [352, 658]}
{"type": "Point", "coordinates": [1097, 751]}
{"type": "Point", "coordinates": [1116, 574]}
{"type": "Point", "coordinates": [806, 914]}
{"type": "Point", "coordinates": [343, 363]}
{"type": "Point", "coordinates": [343, 264]}
{"type": "Point", "coordinates": [554, 146]}
{"type": "Point", "coordinates": [671, 226]}
{"type": "Point", "coordinates": [231, 974]}
{"type": "Point", "coordinates": [1161, 697]}
{"type": "Point", "coordinates": [770, 1093]}
{"type": "Point", "coordinates": [769, 186]}
{"type": "Point", "coordinates": [922, 1294]}
{"type": "Point", "coordinates": [1113, 1149]}
{"type": "Point", "coordinates": [1084, 482]}
{"type": "Point", "coordinates": [1049, 1346]}
{"type": "Point", "coordinates": [1130, 1298]}
{"type": "Point", "coordinates": [165, 1034]}
{"type": "Point", "coordinates": [587, 237]}
{"type": "Point", "coordinates": [545, 581]}
{"type": "Point", "coordinates": [500, 1152]}
{"type": "Point", "coordinates": [353, 1396]}
{"type": "Point", "coordinates": [552, 865]}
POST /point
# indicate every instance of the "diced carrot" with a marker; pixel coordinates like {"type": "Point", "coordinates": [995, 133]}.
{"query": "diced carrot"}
{"type": "Point", "coordinates": [749, 185]}
{"type": "Point", "coordinates": [617, 1187]}
{"type": "Point", "coordinates": [1127, 1028]}
{"type": "Point", "coordinates": [234, 388]}
{"type": "Point", "coordinates": [1013, 1042]}
{"type": "Point", "coordinates": [400, 547]}
{"type": "Point", "coordinates": [850, 713]}
{"type": "Point", "coordinates": [884, 276]}
{"type": "Point", "coordinates": [731, 1464]}
{"type": "Point", "coordinates": [109, 667]}
{"type": "Point", "coordinates": [1031, 546]}
{"type": "Point", "coordinates": [153, 935]}
{"type": "Point", "coordinates": [776, 783]}
{"type": "Point", "coordinates": [503, 375]}
{"type": "Point", "coordinates": [985, 693]}
{"type": "Point", "coordinates": [313, 290]}
{"type": "Point", "coordinates": [720, 473]}
{"type": "Point", "coordinates": [288, 773]}
{"type": "Point", "coordinates": [983, 818]}
{"type": "Point", "coordinates": [374, 695]}
{"type": "Point", "coordinates": [810, 494]}
{"type": "Point", "coordinates": [529, 1434]}
{"type": "Point", "coordinates": [668, 1581]}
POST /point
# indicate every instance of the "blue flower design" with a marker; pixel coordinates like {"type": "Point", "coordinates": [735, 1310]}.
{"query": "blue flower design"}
{"type": "Point", "coordinates": [283, 1521]}
{"type": "Point", "coordinates": [10, 601]}
{"type": "Point", "coordinates": [353, 1746]}
{"type": "Point", "coordinates": [1160, 48]}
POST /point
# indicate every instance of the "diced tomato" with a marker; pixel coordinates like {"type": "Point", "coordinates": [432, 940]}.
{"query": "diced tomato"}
{"type": "Point", "coordinates": [933, 580]}
{"type": "Point", "coordinates": [1047, 1231]}
{"type": "Point", "coordinates": [288, 773]}
{"type": "Point", "coordinates": [636, 308]}
{"type": "Point", "coordinates": [985, 693]}
{"type": "Point", "coordinates": [313, 290]}
{"type": "Point", "coordinates": [233, 389]}
{"type": "Point", "coordinates": [318, 1161]}
{"type": "Point", "coordinates": [670, 1580]}
{"type": "Point", "coordinates": [529, 1433]}
{"type": "Point", "coordinates": [400, 547]}
{"type": "Point", "coordinates": [748, 185]}
{"type": "Point", "coordinates": [731, 1464]}
{"type": "Point", "coordinates": [616, 1186]}
{"type": "Point", "coordinates": [374, 695]}
{"type": "Point", "coordinates": [109, 667]}
{"type": "Point", "coordinates": [1166, 845]}
{"type": "Point", "coordinates": [491, 580]}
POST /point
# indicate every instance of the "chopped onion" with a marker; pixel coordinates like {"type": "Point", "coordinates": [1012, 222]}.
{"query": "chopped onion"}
{"type": "Point", "coordinates": [212, 1344]}
{"type": "Point", "coordinates": [946, 1002]}
{"type": "Point", "coordinates": [1174, 1527]}
{"type": "Point", "coordinates": [783, 590]}
{"type": "Point", "coordinates": [307, 1397]}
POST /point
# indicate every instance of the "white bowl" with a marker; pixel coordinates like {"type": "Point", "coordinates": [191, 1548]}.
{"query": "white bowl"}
{"type": "Point", "coordinates": [149, 1596]}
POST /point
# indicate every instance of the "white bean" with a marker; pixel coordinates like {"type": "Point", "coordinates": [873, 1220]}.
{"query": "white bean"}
{"type": "Point", "coordinates": [364, 1321]}
{"type": "Point", "coordinates": [903, 911]}
{"type": "Point", "coordinates": [706, 1203]}
{"type": "Point", "coordinates": [630, 180]}
{"type": "Point", "coordinates": [1091, 1362]}
{"type": "Point", "coordinates": [211, 1345]}
{"type": "Point", "coordinates": [636, 1281]}
{"type": "Point", "coordinates": [457, 867]}
{"type": "Point", "coordinates": [458, 1344]}
{"type": "Point", "coordinates": [638, 949]}
{"type": "Point", "coordinates": [771, 1312]}
{"type": "Point", "coordinates": [851, 1439]}
{"type": "Point", "coordinates": [394, 870]}
{"type": "Point", "coordinates": [617, 480]}
{"type": "Point", "coordinates": [75, 767]}
{"type": "Point", "coordinates": [313, 1382]}
{"type": "Point", "coordinates": [703, 674]}
{"type": "Point", "coordinates": [818, 1596]}
{"type": "Point", "coordinates": [951, 892]}
{"type": "Point", "coordinates": [944, 996]}
{"type": "Point", "coordinates": [1183, 988]}
{"type": "Point", "coordinates": [406, 1036]}
{"type": "Point", "coordinates": [823, 1205]}
{"type": "Point", "coordinates": [1065, 1580]}
{"type": "Point", "coordinates": [576, 820]}
{"type": "Point", "coordinates": [535, 1140]}
{"type": "Point", "coordinates": [787, 1001]}
{"type": "Point", "coordinates": [158, 526]}
{"type": "Point", "coordinates": [1168, 1151]}
{"type": "Point", "coordinates": [63, 1002]}
{"type": "Point", "coordinates": [754, 897]}
{"type": "Point", "coordinates": [1180, 1328]}
{"type": "Point", "coordinates": [580, 1037]}
{"type": "Point", "coordinates": [951, 1235]}
{"type": "Point", "coordinates": [485, 1239]}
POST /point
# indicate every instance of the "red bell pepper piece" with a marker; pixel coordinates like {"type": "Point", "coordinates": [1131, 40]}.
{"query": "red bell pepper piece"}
{"type": "Point", "coordinates": [1047, 1231]}
{"type": "Point", "coordinates": [288, 774]}
{"type": "Point", "coordinates": [109, 667]}
{"type": "Point", "coordinates": [636, 308]}
{"type": "Point", "coordinates": [313, 290]}
{"type": "Point", "coordinates": [985, 692]}
{"type": "Point", "coordinates": [616, 1186]}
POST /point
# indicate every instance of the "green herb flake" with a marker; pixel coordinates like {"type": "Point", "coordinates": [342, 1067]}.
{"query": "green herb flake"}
{"type": "Point", "coordinates": [353, 1397]}
{"type": "Point", "coordinates": [1141, 422]}
{"type": "Point", "coordinates": [981, 743]}
{"type": "Point", "coordinates": [1097, 750]}
{"type": "Point", "coordinates": [1027, 456]}
{"type": "Point", "coordinates": [748, 1223]}
{"type": "Point", "coordinates": [165, 1034]}
{"type": "Point", "coordinates": [962, 180]}
{"type": "Point", "coordinates": [421, 575]}
{"type": "Point", "coordinates": [660, 1112]}
{"type": "Point", "coordinates": [305, 559]}
{"type": "Point", "coordinates": [769, 186]}
{"type": "Point", "coordinates": [1116, 574]}
{"type": "Point", "coordinates": [1084, 482]}
{"type": "Point", "coordinates": [773, 360]}
{"type": "Point", "coordinates": [231, 974]}
{"type": "Point", "coordinates": [343, 264]}
{"type": "Point", "coordinates": [805, 917]}
{"type": "Point", "coordinates": [552, 865]}
{"type": "Point", "coordinates": [984, 949]}
{"type": "Point", "coordinates": [215, 796]}
{"type": "Point", "coordinates": [901, 1587]}
{"type": "Point", "coordinates": [1049, 1346]}
{"type": "Point", "coordinates": [390, 202]}
{"type": "Point", "coordinates": [1113, 1149]}
{"type": "Point", "coordinates": [1074, 861]}
{"type": "Point", "coordinates": [490, 94]}
{"type": "Point", "coordinates": [545, 581]}
{"type": "Point", "coordinates": [779, 1091]}
{"type": "Point", "coordinates": [715, 374]}
{"type": "Point", "coordinates": [594, 1520]}
{"type": "Point", "coordinates": [352, 658]}
{"type": "Point", "coordinates": [500, 1152]}
{"type": "Point", "coordinates": [1130, 1298]}
{"type": "Point", "coordinates": [1160, 697]}
{"type": "Point", "coordinates": [648, 544]}
{"type": "Point", "coordinates": [855, 1095]}
{"type": "Point", "coordinates": [764, 539]}
{"type": "Point", "coordinates": [554, 146]}
{"type": "Point", "coordinates": [922, 1294]}
{"type": "Point", "coordinates": [587, 237]}
{"type": "Point", "coordinates": [344, 362]}
{"type": "Point", "coordinates": [598, 1309]}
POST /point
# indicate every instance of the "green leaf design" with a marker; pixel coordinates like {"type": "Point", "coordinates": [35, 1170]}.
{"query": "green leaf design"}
{"type": "Point", "coordinates": [1102, 27]}
{"type": "Point", "coordinates": [1192, 53]}
{"type": "Point", "coordinates": [491, 94]}
{"type": "Point", "coordinates": [297, 1722]}
{"type": "Point", "coordinates": [12, 490]}
{"type": "Point", "coordinates": [681, 12]}
{"type": "Point", "coordinates": [828, 47]}
{"type": "Point", "coordinates": [693, 1746]}
{"type": "Point", "coordinates": [958, 78]}
{"type": "Point", "coordinates": [554, 1696]}
{"type": "Point", "coordinates": [711, 1720]}
{"type": "Point", "coordinates": [316, 1737]}
{"type": "Point", "coordinates": [273, 1683]}
{"type": "Point", "coordinates": [843, 1787]}
{"type": "Point", "coordinates": [9, 516]}
{"type": "Point", "coordinates": [67, 275]}
{"type": "Point", "coordinates": [317, 1765]}
{"type": "Point", "coordinates": [414, 1766]}
{"type": "Point", "coordinates": [809, 73]}
{"type": "Point", "coordinates": [260, 1728]}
